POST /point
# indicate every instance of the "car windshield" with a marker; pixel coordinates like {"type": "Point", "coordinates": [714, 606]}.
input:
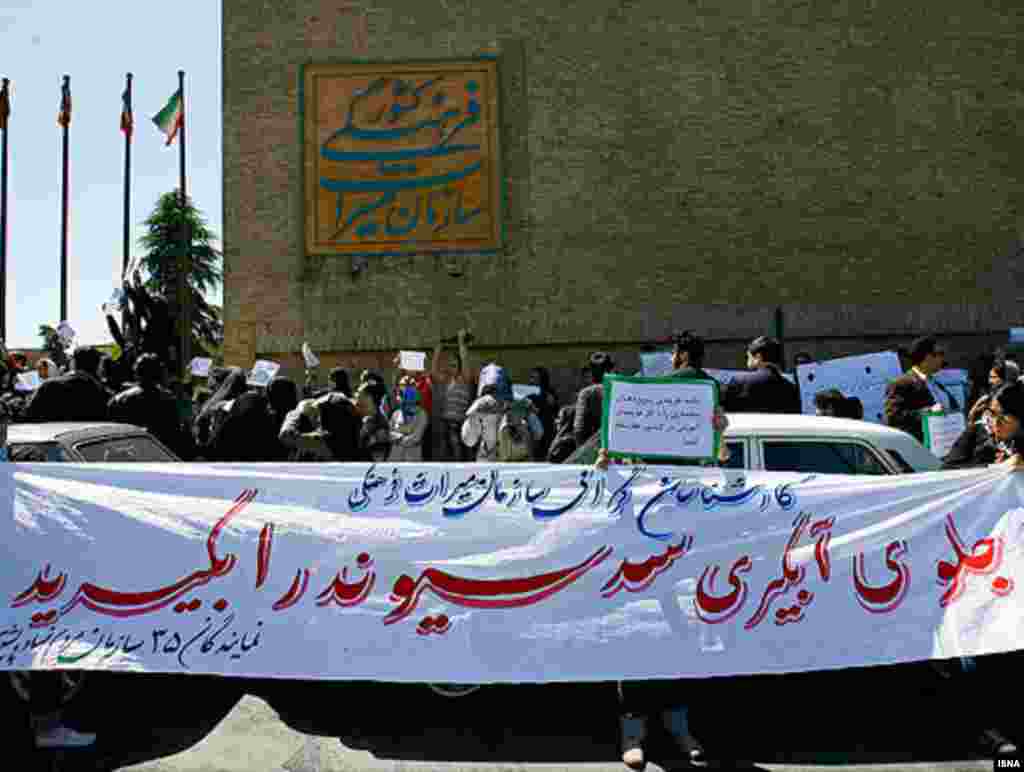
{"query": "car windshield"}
{"type": "Point", "coordinates": [120, 449]}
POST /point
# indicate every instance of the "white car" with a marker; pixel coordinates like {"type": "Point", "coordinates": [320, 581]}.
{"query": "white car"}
{"type": "Point", "coordinates": [807, 443]}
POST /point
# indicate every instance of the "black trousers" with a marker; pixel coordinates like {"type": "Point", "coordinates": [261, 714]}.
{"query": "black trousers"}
{"type": "Point", "coordinates": [45, 693]}
{"type": "Point", "coordinates": [650, 697]}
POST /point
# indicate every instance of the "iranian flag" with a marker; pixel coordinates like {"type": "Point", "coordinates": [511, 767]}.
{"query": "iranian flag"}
{"type": "Point", "coordinates": [171, 118]}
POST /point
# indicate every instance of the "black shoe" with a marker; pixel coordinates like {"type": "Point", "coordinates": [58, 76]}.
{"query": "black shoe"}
{"type": "Point", "coordinates": [996, 744]}
{"type": "Point", "coordinates": [688, 750]}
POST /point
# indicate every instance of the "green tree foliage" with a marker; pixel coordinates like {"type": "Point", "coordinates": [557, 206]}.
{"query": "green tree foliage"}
{"type": "Point", "coordinates": [162, 243]}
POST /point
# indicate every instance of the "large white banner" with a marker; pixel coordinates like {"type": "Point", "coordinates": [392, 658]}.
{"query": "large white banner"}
{"type": "Point", "coordinates": [501, 573]}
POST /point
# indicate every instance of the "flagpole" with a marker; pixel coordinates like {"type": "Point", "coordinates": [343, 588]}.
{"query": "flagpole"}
{"type": "Point", "coordinates": [3, 221]}
{"type": "Point", "coordinates": [183, 300]}
{"type": "Point", "coordinates": [127, 179]}
{"type": "Point", "coordinates": [64, 216]}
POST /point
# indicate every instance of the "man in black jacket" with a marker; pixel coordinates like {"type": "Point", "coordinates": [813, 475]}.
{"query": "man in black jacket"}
{"type": "Point", "coordinates": [765, 389]}
{"type": "Point", "coordinates": [916, 391]}
{"type": "Point", "coordinates": [77, 396]}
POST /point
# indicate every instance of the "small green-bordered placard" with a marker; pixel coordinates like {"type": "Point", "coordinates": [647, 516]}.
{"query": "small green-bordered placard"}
{"type": "Point", "coordinates": [613, 382]}
{"type": "Point", "coordinates": [928, 434]}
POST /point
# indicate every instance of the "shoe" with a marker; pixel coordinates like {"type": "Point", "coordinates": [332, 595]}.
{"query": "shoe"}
{"type": "Point", "coordinates": [63, 737]}
{"type": "Point", "coordinates": [994, 743]}
{"type": "Point", "coordinates": [634, 732]}
{"type": "Point", "coordinates": [678, 725]}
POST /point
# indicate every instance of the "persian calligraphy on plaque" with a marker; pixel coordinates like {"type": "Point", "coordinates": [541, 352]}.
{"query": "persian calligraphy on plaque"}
{"type": "Point", "coordinates": [401, 158]}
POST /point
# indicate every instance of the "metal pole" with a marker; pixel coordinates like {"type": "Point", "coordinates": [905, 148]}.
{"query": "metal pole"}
{"type": "Point", "coordinates": [127, 183]}
{"type": "Point", "coordinates": [185, 341]}
{"type": "Point", "coordinates": [3, 224]}
{"type": "Point", "coordinates": [64, 220]}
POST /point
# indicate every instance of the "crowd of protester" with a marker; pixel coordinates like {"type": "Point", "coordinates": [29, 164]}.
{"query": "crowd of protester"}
{"type": "Point", "coordinates": [479, 417]}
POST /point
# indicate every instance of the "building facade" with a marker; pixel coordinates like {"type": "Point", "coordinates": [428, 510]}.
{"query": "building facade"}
{"type": "Point", "coordinates": [656, 165]}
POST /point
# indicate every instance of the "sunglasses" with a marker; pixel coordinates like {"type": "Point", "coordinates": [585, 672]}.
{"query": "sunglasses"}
{"type": "Point", "coordinates": [1000, 418]}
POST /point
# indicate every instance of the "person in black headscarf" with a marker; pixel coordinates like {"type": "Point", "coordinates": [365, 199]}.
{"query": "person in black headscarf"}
{"type": "Point", "coordinates": [214, 411]}
{"type": "Point", "coordinates": [375, 432]}
{"type": "Point", "coordinates": [282, 398]}
{"type": "Point", "coordinates": [150, 405]}
{"type": "Point", "coordinates": [546, 405]}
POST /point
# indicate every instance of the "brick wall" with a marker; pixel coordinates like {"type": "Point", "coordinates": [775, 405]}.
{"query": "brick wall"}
{"type": "Point", "coordinates": [668, 164]}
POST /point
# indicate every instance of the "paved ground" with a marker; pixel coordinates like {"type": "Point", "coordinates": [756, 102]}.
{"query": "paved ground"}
{"type": "Point", "coordinates": [253, 739]}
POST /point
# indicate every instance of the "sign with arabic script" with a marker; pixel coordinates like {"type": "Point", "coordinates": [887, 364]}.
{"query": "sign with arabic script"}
{"type": "Point", "coordinates": [659, 418]}
{"type": "Point", "coordinates": [499, 573]}
{"type": "Point", "coordinates": [402, 158]}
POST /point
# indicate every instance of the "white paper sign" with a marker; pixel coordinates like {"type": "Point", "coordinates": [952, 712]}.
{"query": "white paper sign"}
{"type": "Point", "coordinates": [200, 367]}
{"type": "Point", "coordinates": [864, 377]}
{"type": "Point", "coordinates": [654, 364]}
{"type": "Point", "coordinates": [659, 418]}
{"type": "Point", "coordinates": [442, 574]}
{"type": "Point", "coordinates": [263, 372]}
{"type": "Point", "coordinates": [941, 431]}
{"type": "Point", "coordinates": [522, 390]}
{"type": "Point", "coordinates": [309, 357]}
{"type": "Point", "coordinates": [29, 381]}
{"type": "Point", "coordinates": [65, 332]}
{"type": "Point", "coordinates": [415, 361]}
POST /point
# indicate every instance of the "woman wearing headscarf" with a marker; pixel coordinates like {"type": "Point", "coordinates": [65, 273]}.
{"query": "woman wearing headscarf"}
{"type": "Point", "coordinates": [215, 411]}
{"type": "Point", "coordinates": [546, 405]}
{"type": "Point", "coordinates": [1002, 372]}
{"type": "Point", "coordinates": [483, 419]}
{"type": "Point", "coordinates": [327, 428]}
{"type": "Point", "coordinates": [987, 439]}
{"type": "Point", "coordinates": [282, 398]}
{"type": "Point", "coordinates": [408, 424]}
{"type": "Point", "coordinates": [375, 433]}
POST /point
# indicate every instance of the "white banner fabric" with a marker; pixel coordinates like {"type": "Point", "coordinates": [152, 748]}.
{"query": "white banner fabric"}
{"type": "Point", "coordinates": [502, 573]}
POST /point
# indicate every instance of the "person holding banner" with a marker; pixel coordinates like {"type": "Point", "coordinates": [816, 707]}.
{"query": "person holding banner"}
{"type": "Point", "coordinates": [917, 390]}
{"type": "Point", "coordinates": [639, 700]}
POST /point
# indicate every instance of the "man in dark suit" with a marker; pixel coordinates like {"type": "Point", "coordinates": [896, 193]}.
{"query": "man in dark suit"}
{"type": "Point", "coordinates": [765, 389]}
{"type": "Point", "coordinates": [916, 391]}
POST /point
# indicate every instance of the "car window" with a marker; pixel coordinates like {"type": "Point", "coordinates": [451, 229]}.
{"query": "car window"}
{"type": "Point", "coordinates": [822, 457]}
{"type": "Point", "coordinates": [737, 455]}
{"type": "Point", "coordinates": [34, 452]}
{"type": "Point", "coordinates": [900, 461]}
{"type": "Point", "coordinates": [121, 449]}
